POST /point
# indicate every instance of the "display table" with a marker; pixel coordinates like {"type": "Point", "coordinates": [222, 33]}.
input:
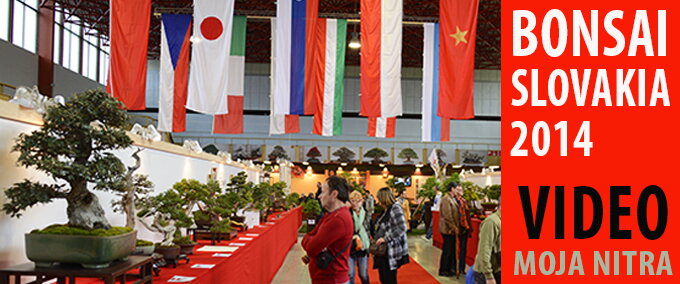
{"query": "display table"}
{"type": "Point", "coordinates": [257, 261]}
{"type": "Point", "coordinates": [472, 242]}
{"type": "Point", "coordinates": [117, 271]}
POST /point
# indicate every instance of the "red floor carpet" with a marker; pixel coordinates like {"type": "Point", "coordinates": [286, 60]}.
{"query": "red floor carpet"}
{"type": "Point", "coordinates": [409, 273]}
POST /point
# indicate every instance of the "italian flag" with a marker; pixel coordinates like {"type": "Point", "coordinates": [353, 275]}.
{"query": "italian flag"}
{"type": "Point", "coordinates": [232, 122]}
{"type": "Point", "coordinates": [331, 37]}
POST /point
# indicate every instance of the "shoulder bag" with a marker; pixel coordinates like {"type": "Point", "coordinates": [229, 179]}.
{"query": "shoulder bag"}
{"type": "Point", "coordinates": [325, 257]}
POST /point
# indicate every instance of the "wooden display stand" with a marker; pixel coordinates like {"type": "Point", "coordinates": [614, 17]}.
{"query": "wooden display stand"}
{"type": "Point", "coordinates": [117, 270]}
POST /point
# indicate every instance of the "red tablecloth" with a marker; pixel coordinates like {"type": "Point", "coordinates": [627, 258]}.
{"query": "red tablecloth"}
{"type": "Point", "coordinates": [256, 262]}
{"type": "Point", "coordinates": [472, 242]}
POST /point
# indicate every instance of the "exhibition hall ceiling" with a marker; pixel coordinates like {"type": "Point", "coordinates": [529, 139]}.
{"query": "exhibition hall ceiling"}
{"type": "Point", "coordinates": [95, 15]}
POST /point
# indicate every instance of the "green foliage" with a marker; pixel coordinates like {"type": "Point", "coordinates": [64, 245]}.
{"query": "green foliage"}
{"type": "Point", "coordinates": [183, 241]}
{"type": "Point", "coordinates": [143, 243]}
{"type": "Point", "coordinates": [407, 154]}
{"type": "Point", "coordinates": [472, 192]}
{"type": "Point", "coordinates": [59, 229]}
{"type": "Point", "coordinates": [71, 148]}
{"type": "Point", "coordinates": [493, 191]}
{"type": "Point", "coordinates": [169, 202]}
{"type": "Point", "coordinates": [344, 155]}
{"type": "Point", "coordinates": [222, 226]}
{"type": "Point", "coordinates": [293, 200]}
{"type": "Point", "coordinates": [455, 177]}
{"type": "Point", "coordinates": [311, 208]}
{"type": "Point", "coordinates": [376, 154]}
{"type": "Point", "coordinates": [429, 189]}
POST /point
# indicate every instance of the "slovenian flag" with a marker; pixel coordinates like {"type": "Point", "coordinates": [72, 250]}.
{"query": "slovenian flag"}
{"type": "Point", "coordinates": [331, 38]}
{"type": "Point", "coordinates": [434, 128]}
{"type": "Point", "coordinates": [174, 72]}
{"type": "Point", "coordinates": [296, 20]}
{"type": "Point", "coordinates": [279, 123]}
{"type": "Point", "coordinates": [232, 123]}
{"type": "Point", "coordinates": [381, 45]}
{"type": "Point", "coordinates": [382, 127]}
{"type": "Point", "coordinates": [210, 56]}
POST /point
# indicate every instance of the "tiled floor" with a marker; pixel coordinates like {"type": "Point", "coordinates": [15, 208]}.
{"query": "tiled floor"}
{"type": "Point", "coordinates": [422, 251]}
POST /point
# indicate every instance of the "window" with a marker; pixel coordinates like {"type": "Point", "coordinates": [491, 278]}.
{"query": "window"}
{"type": "Point", "coordinates": [25, 24]}
{"type": "Point", "coordinates": [71, 45]}
{"type": "Point", "coordinates": [4, 20]}
{"type": "Point", "coordinates": [90, 54]}
{"type": "Point", "coordinates": [103, 62]}
{"type": "Point", "coordinates": [58, 18]}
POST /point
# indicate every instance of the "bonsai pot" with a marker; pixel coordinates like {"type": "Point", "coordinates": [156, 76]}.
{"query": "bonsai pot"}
{"type": "Point", "coordinates": [144, 250]}
{"type": "Point", "coordinates": [168, 252]}
{"type": "Point", "coordinates": [89, 251]}
{"type": "Point", "coordinates": [489, 206]}
{"type": "Point", "coordinates": [187, 248]}
{"type": "Point", "coordinates": [238, 219]}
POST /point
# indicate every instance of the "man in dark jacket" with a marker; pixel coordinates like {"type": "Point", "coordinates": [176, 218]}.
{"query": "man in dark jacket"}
{"type": "Point", "coordinates": [449, 228]}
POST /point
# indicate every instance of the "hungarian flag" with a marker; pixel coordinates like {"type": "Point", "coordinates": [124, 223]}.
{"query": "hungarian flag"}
{"type": "Point", "coordinates": [381, 127]}
{"type": "Point", "coordinates": [381, 33]}
{"type": "Point", "coordinates": [279, 123]}
{"type": "Point", "coordinates": [434, 128]}
{"type": "Point", "coordinates": [458, 20]}
{"type": "Point", "coordinates": [174, 72]}
{"type": "Point", "coordinates": [232, 123]}
{"type": "Point", "coordinates": [129, 34]}
{"type": "Point", "coordinates": [210, 56]}
{"type": "Point", "coordinates": [296, 20]}
{"type": "Point", "coordinates": [331, 38]}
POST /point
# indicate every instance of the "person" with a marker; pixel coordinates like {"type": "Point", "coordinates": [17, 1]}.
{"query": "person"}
{"type": "Point", "coordinates": [464, 228]}
{"type": "Point", "coordinates": [391, 229]}
{"type": "Point", "coordinates": [427, 219]}
{"type": "Point", "coordinates": [487, 268]}
{"type": "Point", "coordinates": [406, 207]}
{"type": "Point", "coordinates": [435, 207]}
{"type": "Point", "coordinates": [359, 256]}
{"type": "Point", "coordinates": [448, 227]}
{"type": "Point", "coordinates": [333, 233]}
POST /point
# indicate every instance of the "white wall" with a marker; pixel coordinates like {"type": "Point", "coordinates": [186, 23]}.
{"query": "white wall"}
{"type": "Point", "coordinates": [164, 169]}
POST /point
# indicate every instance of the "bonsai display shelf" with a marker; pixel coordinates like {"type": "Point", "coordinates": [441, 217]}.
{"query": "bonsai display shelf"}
{"type": "Point", "coordinates": [206, 234]}
{"type": "Point", "coordinates": [117, 271]}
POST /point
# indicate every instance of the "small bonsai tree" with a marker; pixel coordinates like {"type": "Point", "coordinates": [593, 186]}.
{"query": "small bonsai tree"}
{"type": "Point", "coordinates": [278, 153]}
{"type": "Point", "coordinates": [292, 200]}
{"type": "Point", "coordinates": [167, 212]}
{"type": "Point", "coordinates": [493, 192]}
{"type": "Point", "coordinates": [131, 187]}
{"type": "Point", "coordinates": [311, 209]}
{"type": "Point", "coordinates": [313, 154]}
{"type": "Point", "coordinates": [376, 154]}
{"type": "Point", "coordinates": [73, 147]}
{"type": "Point", "coordinates": [429, 189]}
{"type": "Point", "coordinates": [407, 154]}
{"type": "Point", "coordinates": [344, 155]}
{"type": "Point", "coordinates": [395, 186]}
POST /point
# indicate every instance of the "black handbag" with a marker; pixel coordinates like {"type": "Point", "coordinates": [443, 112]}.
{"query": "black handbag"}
{"type": "Point", "coordinates": [325, 257]}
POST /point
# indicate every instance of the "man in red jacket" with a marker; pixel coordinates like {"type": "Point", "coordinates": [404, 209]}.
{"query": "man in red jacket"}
{"type": "Point", "coordinates": [333, 233]}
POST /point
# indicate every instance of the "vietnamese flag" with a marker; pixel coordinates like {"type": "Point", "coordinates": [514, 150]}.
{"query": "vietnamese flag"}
{"type": "Point", "coordinates": [458, 30]}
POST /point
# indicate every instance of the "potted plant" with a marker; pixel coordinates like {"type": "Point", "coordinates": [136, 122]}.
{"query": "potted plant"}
{"type": "Point", "coordinates": [73, 147]}
{"type": "Point", "coordinates": [310, 212]}
{"type": "Point", "coordinates": [262, 199]}
{"type": "Point", "coordinates": [168, 216]}
{"type": "Point", "coordinates": [493, 193]}
{"type": "Point", "coordinates": [292, 200]}
{"type": "Point", "coordinates": [144, 247]}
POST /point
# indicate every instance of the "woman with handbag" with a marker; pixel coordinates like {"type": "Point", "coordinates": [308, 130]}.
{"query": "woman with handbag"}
{"type": "Point", "coordinates": [389, 245]}
{"type": "Point", "coordinates": [358, 256]}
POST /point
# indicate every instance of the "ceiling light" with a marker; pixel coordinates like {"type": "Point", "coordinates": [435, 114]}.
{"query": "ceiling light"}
{"type": "Point", "coordinates": [355, 43]}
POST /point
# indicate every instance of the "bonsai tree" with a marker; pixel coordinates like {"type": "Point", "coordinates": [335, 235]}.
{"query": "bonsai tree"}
{"type": "Point", "coordinates": [407, 154]}
{"type": "Point", "coordinates": [292, 200]}
{"type": "Point", "coordinates": [311, 209]}
{"type": "Point", "coordinates": [131, 187]}
{"type": "Point", "coordinates": [493, 192]}
{"type": "Point", "coordinates": [376, 154]}
{"type": "Point", "coordinates": [313, 154]}
{"type": "Point", "coordinates": [73, 147]}
{"type": "Point", "coordinates": [429, 189]}
{"type": "Point", "coordinates": [395, 186]}
{"type": "Point", "coordinates": [167, 212]}
{"type": "Point", "coordinates": [239, 192]}
{"type": "Point", "coordinates": [455, 177]}
{"type": "Point", "coordinates": [344, 155]}
{"type": "Point", "coordinates": [211, 149]}
{"type": "Point", "coordinates": [278, 153]}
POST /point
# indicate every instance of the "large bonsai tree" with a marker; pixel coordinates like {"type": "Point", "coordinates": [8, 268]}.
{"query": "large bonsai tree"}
{"type": "Point", "coordinates": [344, 155]}
{"type": "Point", "coordinates": [278, 153]}
{"type": "Point", "coordinates": [73, 147]}
{"type": "Point", "coordinates": [376, 154]}
{"type": "Point", "coordinates": [407, 154]}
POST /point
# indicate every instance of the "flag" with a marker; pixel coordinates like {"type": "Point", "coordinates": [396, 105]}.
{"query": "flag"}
{"type": "Point", "coordinates": [381, 127]}
{"type": "Point", "coordinates": [434, 128]}
{"type": "Point", "coordinates": [458, 20]}
{"type": "Point", "coordinates": [279, 123]}
{"type": "Point", "coordinates": [129, 34]}
{"type": "Point", "coordinates": [232, 122]}
{"type": "Point", "coordinates": [331, 38]}
{"type": "Point", "coordinates": [174, 72]}
{"type": "Point", "coordinates": [381, 34]}
{"type": "Point", "coordinates": [210, 56]}
{"type": "Point", "coordinates": [296, 20]}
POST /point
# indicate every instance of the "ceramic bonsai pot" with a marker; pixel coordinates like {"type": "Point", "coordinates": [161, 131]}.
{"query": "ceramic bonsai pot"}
{"type": "Point", "coordinates": [168, 252]}
{"type": "Point", "coordinates": [144, 250]}
{"type": "Point", "coordinates": [187, 248]}
{"type": "Point", "coordinates": [89, 251]}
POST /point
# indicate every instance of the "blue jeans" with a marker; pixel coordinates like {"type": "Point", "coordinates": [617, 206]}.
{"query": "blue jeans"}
{"type": "Point", "coordinates": [428, 234]}
{"type": "Point", "coordinates": [463, 251]}
{"type": "Point", "coordinates": [362, 262]}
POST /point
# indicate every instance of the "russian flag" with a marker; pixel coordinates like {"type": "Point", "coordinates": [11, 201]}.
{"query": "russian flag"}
{"type": "Point", "coordinates": [296, 21]}
{"type": "Point", "coordinates": [434, 128]}
{"type": "Point", "coordinates": [174, 72]}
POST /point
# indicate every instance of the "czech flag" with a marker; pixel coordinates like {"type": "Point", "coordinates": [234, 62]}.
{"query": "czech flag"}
{"type": "Point", "coordinates": [174, 72]}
